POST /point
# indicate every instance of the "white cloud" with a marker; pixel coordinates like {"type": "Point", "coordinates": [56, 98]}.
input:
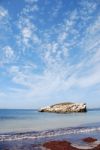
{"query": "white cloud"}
{"type": "Point", "coordinates": [36, 39]}
{"type": "Point", "coordinates": [8, 52]}
{"type": "Point", "coordinates": [90, 43]}
{"type": "Point", "coordinates": [55, 54]}
{"type": "Point", "coordinates": [90, 80]}
{"type": "Point", "coordinates": [18, 76]}
{"type": "Point", "coordinates": [3, 13]}
{"type": "Point", "coordinates": [14, 69]}
{"type": "Point", "coordinates": [29, 66]}
{"type": "Point", "coordinates": [26, 32]}
{"type": "Point", "coordinates": [26, 35]}
{"type": "Point", "coordinates": [7, 55]}
{"type": "Point", "coordinates": [5, 32]}
{"type": "Point", "coordinates": [95, 27]}
{"type": "Point", "coordinates": [22, 75]}
{"type": "Point", "coordinates": [4, 19]}
{"type": "Point", "coordinates": [86, 9]}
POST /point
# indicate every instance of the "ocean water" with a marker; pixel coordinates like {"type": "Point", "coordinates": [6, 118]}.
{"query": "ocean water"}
{"type": "Point", "coordinates": [20, 120]}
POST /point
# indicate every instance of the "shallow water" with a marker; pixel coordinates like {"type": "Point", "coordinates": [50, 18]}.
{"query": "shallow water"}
{"type": "Point", "coordinates": [32, 120]}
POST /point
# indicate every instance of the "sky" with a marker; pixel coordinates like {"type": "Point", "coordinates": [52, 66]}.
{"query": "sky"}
{"type": "Point", "coordinates": [49, 52]}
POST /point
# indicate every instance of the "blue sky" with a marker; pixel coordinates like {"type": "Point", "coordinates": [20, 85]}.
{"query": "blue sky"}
{"type": "Point", "coordinates": [49, 52]}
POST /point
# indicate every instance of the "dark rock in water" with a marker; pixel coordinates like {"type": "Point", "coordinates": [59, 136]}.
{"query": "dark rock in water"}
{"type": "Point", "coordinates": [58, 145]}
{"type": "Point", "coordinates": [65, 107]}
{"type": "Point", "coordinates": [89, 139]}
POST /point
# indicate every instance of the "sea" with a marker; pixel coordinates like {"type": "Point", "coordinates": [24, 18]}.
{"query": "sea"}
{"type": "Point", "coordinates": [24, 120]}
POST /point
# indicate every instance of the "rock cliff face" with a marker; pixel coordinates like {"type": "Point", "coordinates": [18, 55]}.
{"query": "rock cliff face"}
{"type": "Point", "coordinates": [65, 107]}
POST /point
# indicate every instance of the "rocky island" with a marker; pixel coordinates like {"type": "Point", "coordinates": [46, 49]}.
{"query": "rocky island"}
{"type": "Point", "coordinates": [65, 107]}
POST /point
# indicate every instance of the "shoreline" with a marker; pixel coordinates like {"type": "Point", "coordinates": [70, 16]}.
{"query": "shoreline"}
{"type": "Point", "coordinates": [49, 133]}
{"type": "Point", "coordinates": [88, 143]}
{"type": "Point", "coordinates": [70, 137]}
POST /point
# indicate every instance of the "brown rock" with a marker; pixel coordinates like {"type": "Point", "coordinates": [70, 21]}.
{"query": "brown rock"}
{"type": "Point", "coordinates": [89, 139]}
{"type": "Point", "coordinates": [59, 145]}
{"type": "Point", "coordinates": [65, 145]}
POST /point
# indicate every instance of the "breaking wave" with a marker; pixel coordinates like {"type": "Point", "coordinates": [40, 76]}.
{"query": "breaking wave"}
{"type": "Point", "coordinates": [47, 133]}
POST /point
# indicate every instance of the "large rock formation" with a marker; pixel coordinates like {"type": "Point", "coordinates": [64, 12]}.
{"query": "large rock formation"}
{"type": "Point", "coordinates": [65, 107]}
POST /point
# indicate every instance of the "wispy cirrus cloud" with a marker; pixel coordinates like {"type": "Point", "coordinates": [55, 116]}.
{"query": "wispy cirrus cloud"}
{"type": "Point", "coordinates": [8, 52]}
{"type": "Point", "coordinates": [55, 54]}
{"type": "Point", "coordinates": [54, 57]}
{"type": "Point", "coordinates": [4, 20]}
{"type": "Point", "coordinates": [3, 13]}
